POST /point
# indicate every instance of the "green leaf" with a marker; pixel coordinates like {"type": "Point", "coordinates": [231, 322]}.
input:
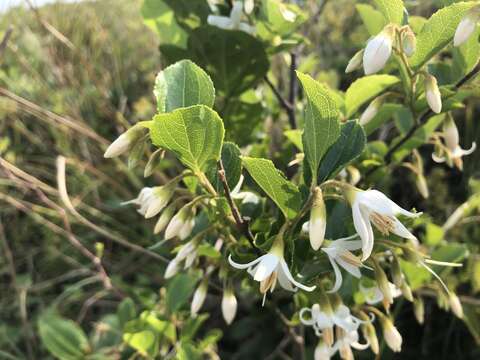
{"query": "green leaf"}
{"type": "Point", "coordinates": [348, 147]}
{"type": "Point", "coordinates": [451, 252]}
{"type": "Point", "coordinates": [179, 289]}
{"type": "Point", "coordinates": [209, 251]}
{"type": "Point", "coordinates": [365, 89]}
{"type": "Point", "coordinates": [194, 134]}
{"type": "Point", "coordinates": [295, 136]}
{"type": "Point", "coordinates": [392, 10]}
{"type": "Point", "coordinates": [187, 351]}
{"type": "Point", "coordinates": [232, 165]}
{"type": "Point", "coordinates": [142, 341]}
{"type": "Point", "coordinates": [159, 17]}
{"type": "Point", "coordinates": [63, 338]}
{"type": "Point", "coordinates": [272, 14]}
{"type": "Point", "coordinates": [126, 311]}
{"type": "Point", "coordinates": [235, 60]}
{"type": "Point", "coordinates": [386, 112]}
{"type": "Point", "coordinates": [438, 32]}
{"type": "Point", "coordinates": [373, 19]}
{"type": "Point", "coordinates": [284, 193]}
{"type": "Point", "coordinates": [183, 84]}
{"type": "Point", "coordinates": [466, 56]}
{"type": "Point", "coordinates": [321, 125]}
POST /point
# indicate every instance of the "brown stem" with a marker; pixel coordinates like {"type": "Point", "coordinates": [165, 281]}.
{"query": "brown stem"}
{"type": "Point", "coordinates": [242, 224]}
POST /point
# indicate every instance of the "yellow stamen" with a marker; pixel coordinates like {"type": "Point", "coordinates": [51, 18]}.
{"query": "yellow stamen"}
{"type": "Point", "coordinates": [385, 224]}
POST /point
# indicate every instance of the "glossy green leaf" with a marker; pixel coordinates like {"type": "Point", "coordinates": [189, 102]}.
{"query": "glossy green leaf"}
{"type": "Point", "coordinates": [373, 19]}
{"type": "Point", "coordinates": [321, 125]}
{"type": "Point", "coordinates": [392, 10]}
{"type": "Point", "coordinates": [194, 134]}
{"type": "Point", "coordinates": [283, 192]}
{"type": "Point", "coordinates": [183, 84]}
{"type": "Point", "coordinates": [142, 341]}
{"type": "Point", "coordinates": [347, 148]}
{"type": "Point", "coordinates": [232, 165]}
{"type": "Point", "coordinates": [365, 89]}
{"type": "Point", "coordinates": [179, 290]}
{"type": "Point", "coordinates": [438, 32]}
{"type": "Point", "coordinates": [295, 136]}
{"type": "Point", "coordinates": [63, 338]}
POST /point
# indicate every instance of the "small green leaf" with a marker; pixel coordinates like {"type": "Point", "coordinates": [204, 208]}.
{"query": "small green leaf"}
{"type": "Point", "coordinates": [142, 341]}
{"type": "Point", "coordinates": [194, 134]}
{"type": "Point", "coordinates": [322, 127]}
{"type": "Point", "coordinates": [365, 89]}
{"type": "Point", "coordinates": [295, 136]}
{"type": "Point", "coordinates": [284, 193]}
{"type": "Point", "coordinates": [347, 148]}
{"type": "Point", "coordinates": [209, 251]}
{"type": "Point", "coordinates": [63, 338]}
{"type": "Point", "coordinates": [392, 10]}
{"type": "Point", "coordinates": [373, 19]}
{"type": "Point", "coordinates": [187, 351]}
{"type": "Point", "coordinates": [179, 290]}
{"type": "Point", "coordinates": [183, 84]}
{"type": "Point", "coordinates": [438, 32]}
{"type": "Point", "coordinates": [126, 311]}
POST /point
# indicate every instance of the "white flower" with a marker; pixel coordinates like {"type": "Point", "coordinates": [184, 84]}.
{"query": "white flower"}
{"type": "Point", "coordinates": [346, 340]}
{"type": "Point", "coordinates": [229, 305]}
{"type": "Point", "coordinates": [466, 27]}
{"type": "Point", "coordinates": [318, 220]}
{"type": "Point", "coordinates": [355, 62]}
{"type": "Point", "coordinates": [391, 335]}
{"type": "Point", "coordinates": [269, 268]}
{"type": "Point", "coordinates": [181, 224]}
{"type": "Point", "coordinates": [454, 152]}
{"type": "Point", "coordinates": [378, 51]}
{"type": "Point", "coordinates": [372, 110]}
{"type": "Point", "coordinates": [373, 206]}
{"type": "Point", "coordinates": [187, 253]}
{"type": "Point", "coordinates": [199, 297]}
{"type": "Point", "coordinates": [247, 197]}
{"type": "Point", "coordinates": [124, 142]}
{"type": "Point", "coordinates": [323, 351]}
{"type": "Point", "coordinates": [339, 254]}
{"type": "Point", "coordinates": [164, 218]}
{"type": "Point", "coordinates": [325, 320]}
{"type": "Point", "coordinates": [432, 93]}
{"type": "Point", "coordinates": [233, 22]}
{"type": "Point", "coordinates": [249, 5]}
{"type": "Point", "coordinates": [152, 200]}
{"type": "Point", "coordinates": [373, 295]}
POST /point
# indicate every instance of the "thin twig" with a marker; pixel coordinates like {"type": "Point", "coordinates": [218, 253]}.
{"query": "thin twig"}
{"type": "Point", "coordinates": [292, 96]}
{"type": "Point", "coordinates": [242, 223]}
{"type": "Point", "coordinates": [284, 103]}
{"type": "Point", "coordinates": [4, 42]}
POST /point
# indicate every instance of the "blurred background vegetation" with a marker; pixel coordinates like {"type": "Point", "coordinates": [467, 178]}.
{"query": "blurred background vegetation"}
{"type": "Point", "coordinates": [75, 76]}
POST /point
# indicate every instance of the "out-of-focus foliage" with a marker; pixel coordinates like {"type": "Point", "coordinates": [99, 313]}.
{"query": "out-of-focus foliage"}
{"type": "Point", "coordinates": [75, 76]}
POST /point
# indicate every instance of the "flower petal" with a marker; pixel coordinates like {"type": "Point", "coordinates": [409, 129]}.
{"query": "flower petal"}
{"type": "Point", "coordinates": [266, 266]}
{"type": "Point", "coordinates": [289, 276]}
{"type": "Point", "coordinates": [338, 276]}
{"type": "Point", "coordinates": [352, 269]}
{"type": "Point", "coordinates": [402, 231]}
{"type": "Point", "coordinates": [284, 282]}
{"type": "Point", "coordinates": [305, 321]}
{"type": "Point", "coordinates": [222, 22]}
{"type": "Point", "coordinates": [243, 266]}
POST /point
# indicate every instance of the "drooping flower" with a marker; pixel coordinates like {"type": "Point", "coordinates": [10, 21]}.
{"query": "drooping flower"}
{"type": "Point", "coordinates": [229, 305]}
{"type": "Point", "coordinates": [455, 305]}
{"type": "Point", "coordinates": [152, 200]}
{"type": "Point", "coordinates": [199, 297]}
{"type": "Point", "coordinates": [391, 335]}
{"type": "Point", "coordinates": [355, 62]}
{"type": "Point", "coordinates": [409, 41]}
{"type": "Point", "coordinates": [378, 50]}
{"type": "Point", "coordinates": [322, 351]}
{"type": "Point", "coordinates": [187, 253]}
{"type": "Point", "coordinates": [125, 141]}
{"type": "Point", "coordinates": [432, 93]}
{"type": "Point", "coordinates": [232, 22]}
{"type": "Point", "coordinates": [346, 340]}
{"type": "Point", "coordinates": [181, 224]}
{"type": "Point", "coordinates": [467, 26]}
{"type": "Point", "coordinates": [269, 268]}
{"type": "Point", "coordinates": [372, 110]}
{"type": "Point", "coordinates": [453, 151]}
{"type": "Point", "coordinates": [372, 206]}
{"type": "Point", "coordinates": [338, 252]}
{"type": "Point", "coordinates": [318, 220]}
{"type": "Point", "coordinates": [164, 218]}
{"type": "Point", "coordinates": [247, 197]}
{"type": "Point", "coordinates": [373, 295]}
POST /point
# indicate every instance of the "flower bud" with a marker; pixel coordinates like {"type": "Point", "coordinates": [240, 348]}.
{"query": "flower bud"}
{"type": "Point", "coordinates": [409, 42]}
{"type": "Point", "coordinates": [153, 162]}
{"type": "Point", "coordinates": [466, 27]}
{"type": "Point", "coordinates": [370, 334]}
{"type": "Point", "coordinates": [322, 351]}
{"type": "Point", "coordinates": [318, 220]}
{"type": "Point", "coordinates": [248, 6]}
{"type": "Point", "coordinates": [164, 219]}
{"type": "Point", "coordinates": [199, 297]}
{"type": "Point", "coordinates": [160, 197]}
{"type": "Point", "coordinates": [383, 284]}
{"type": "Point", "coordinates": [355, 62]}
{"type": "Point", "coordinates": [181, 223]}
{"type": "Point", "coordinates": [229, 305]}
{"type": "Point", "coordinates": [432, 93]}
{"type": "Point", "coordinates": [172, 269]}
{"type": "Point", "coordinates": [391, 335]}
{"type": "Point", "coordinates": [406, 291]}
{"type": "Point", "coordinates": [419, 310]}
{"type": "Point", "coordinates": [124, 142]}
{"type": "Point", "coordinates": [455, 305]}
{"type": "Point", "coordinates": [450, 133]}
{"type": "Point", "coordinates": [422, 186]}
{"type": "Point", "coordinates": [372, 110]}
{"type": "Point", "coordinates": [397, 275]}
{"type": "Point", "coordinates": [378, 50]}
